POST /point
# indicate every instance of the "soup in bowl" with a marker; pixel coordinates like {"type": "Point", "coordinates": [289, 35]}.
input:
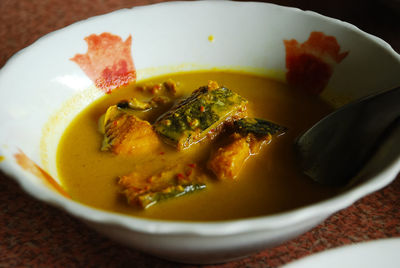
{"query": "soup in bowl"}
{"type": "Point", "coordinates": [175, 136]}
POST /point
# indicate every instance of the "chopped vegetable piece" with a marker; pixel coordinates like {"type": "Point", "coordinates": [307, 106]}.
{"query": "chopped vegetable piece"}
{"type": "Point", "coordinates": [256, 143]}
{"type": "Point", "coordinates": [258, 127]}
{"type": "Point", "coordinates": [134, 104]}
{"type": "Point", "coordinates": [148, 199]}
{"type": "Point", "coordinates": [159, 101]}
{"type": "Point", "coordinates": [138, 105]}
{"type": "Point", "coordinates": [251, 134]}
{"type": "Point", "coordinates": [145, 191]}
{"type": "Point", "coordinates": [125, 133]}
{"type": "Point", "coordinates": [151, 88]}
{"type": "Point", "coordinates": [227, 162]}
{"type": "Point", "coordinates": [203, 113]}
{"type": "Point", "coordinates": [169, 87]}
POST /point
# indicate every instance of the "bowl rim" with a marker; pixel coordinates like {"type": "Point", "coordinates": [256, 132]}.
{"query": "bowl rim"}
{"type": "Point", "coordinates": [213, 228]}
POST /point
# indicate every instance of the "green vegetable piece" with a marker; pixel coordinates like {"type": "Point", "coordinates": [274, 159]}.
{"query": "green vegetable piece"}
{"type": "Point", "coordinates": [204, 111]}
{"type": "Point", "coordinates": [147, 200]}
{"type": "Point", "coordinates": [145, 190]}
{"type": "Point", "coordinates": [258, 127]}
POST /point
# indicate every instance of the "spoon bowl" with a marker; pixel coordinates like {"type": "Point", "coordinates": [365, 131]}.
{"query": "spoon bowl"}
{"type": "Point", "coordinates": [334, 149]}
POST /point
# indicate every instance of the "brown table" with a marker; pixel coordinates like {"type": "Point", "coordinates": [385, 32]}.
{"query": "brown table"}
{"type": "Point", "coordinates": [35, 234]}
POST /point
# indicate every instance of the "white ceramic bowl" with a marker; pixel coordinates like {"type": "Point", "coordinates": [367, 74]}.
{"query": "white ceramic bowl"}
{"type": "Point", "coordinates": [41, 90]}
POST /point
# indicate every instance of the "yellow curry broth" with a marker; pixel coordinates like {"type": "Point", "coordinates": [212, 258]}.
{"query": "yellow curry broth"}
{"type": "Point", "coordinates": [270, 182]}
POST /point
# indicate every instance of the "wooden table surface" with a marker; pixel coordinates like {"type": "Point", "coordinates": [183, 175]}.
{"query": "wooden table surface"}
{"type": "Point", "coordinates": [35, 234]}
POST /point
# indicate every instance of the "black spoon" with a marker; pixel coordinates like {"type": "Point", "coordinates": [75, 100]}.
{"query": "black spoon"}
{"type": "Point", "coordinates": [335, 149]}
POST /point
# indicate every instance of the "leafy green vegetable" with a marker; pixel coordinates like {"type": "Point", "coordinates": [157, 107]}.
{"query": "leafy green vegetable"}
{"type": "Point", "coordinates": [148, 199]}
{"type": "Point", "coordinates": [202, 112]}
{"type": "Point", "coordinates": [257, 127]}
{"type": "Point", "coordinates": [145, 190]}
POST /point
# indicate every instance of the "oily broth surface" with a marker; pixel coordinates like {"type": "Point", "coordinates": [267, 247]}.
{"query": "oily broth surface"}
{"type": "Point", "coordinates": [270, 182]}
